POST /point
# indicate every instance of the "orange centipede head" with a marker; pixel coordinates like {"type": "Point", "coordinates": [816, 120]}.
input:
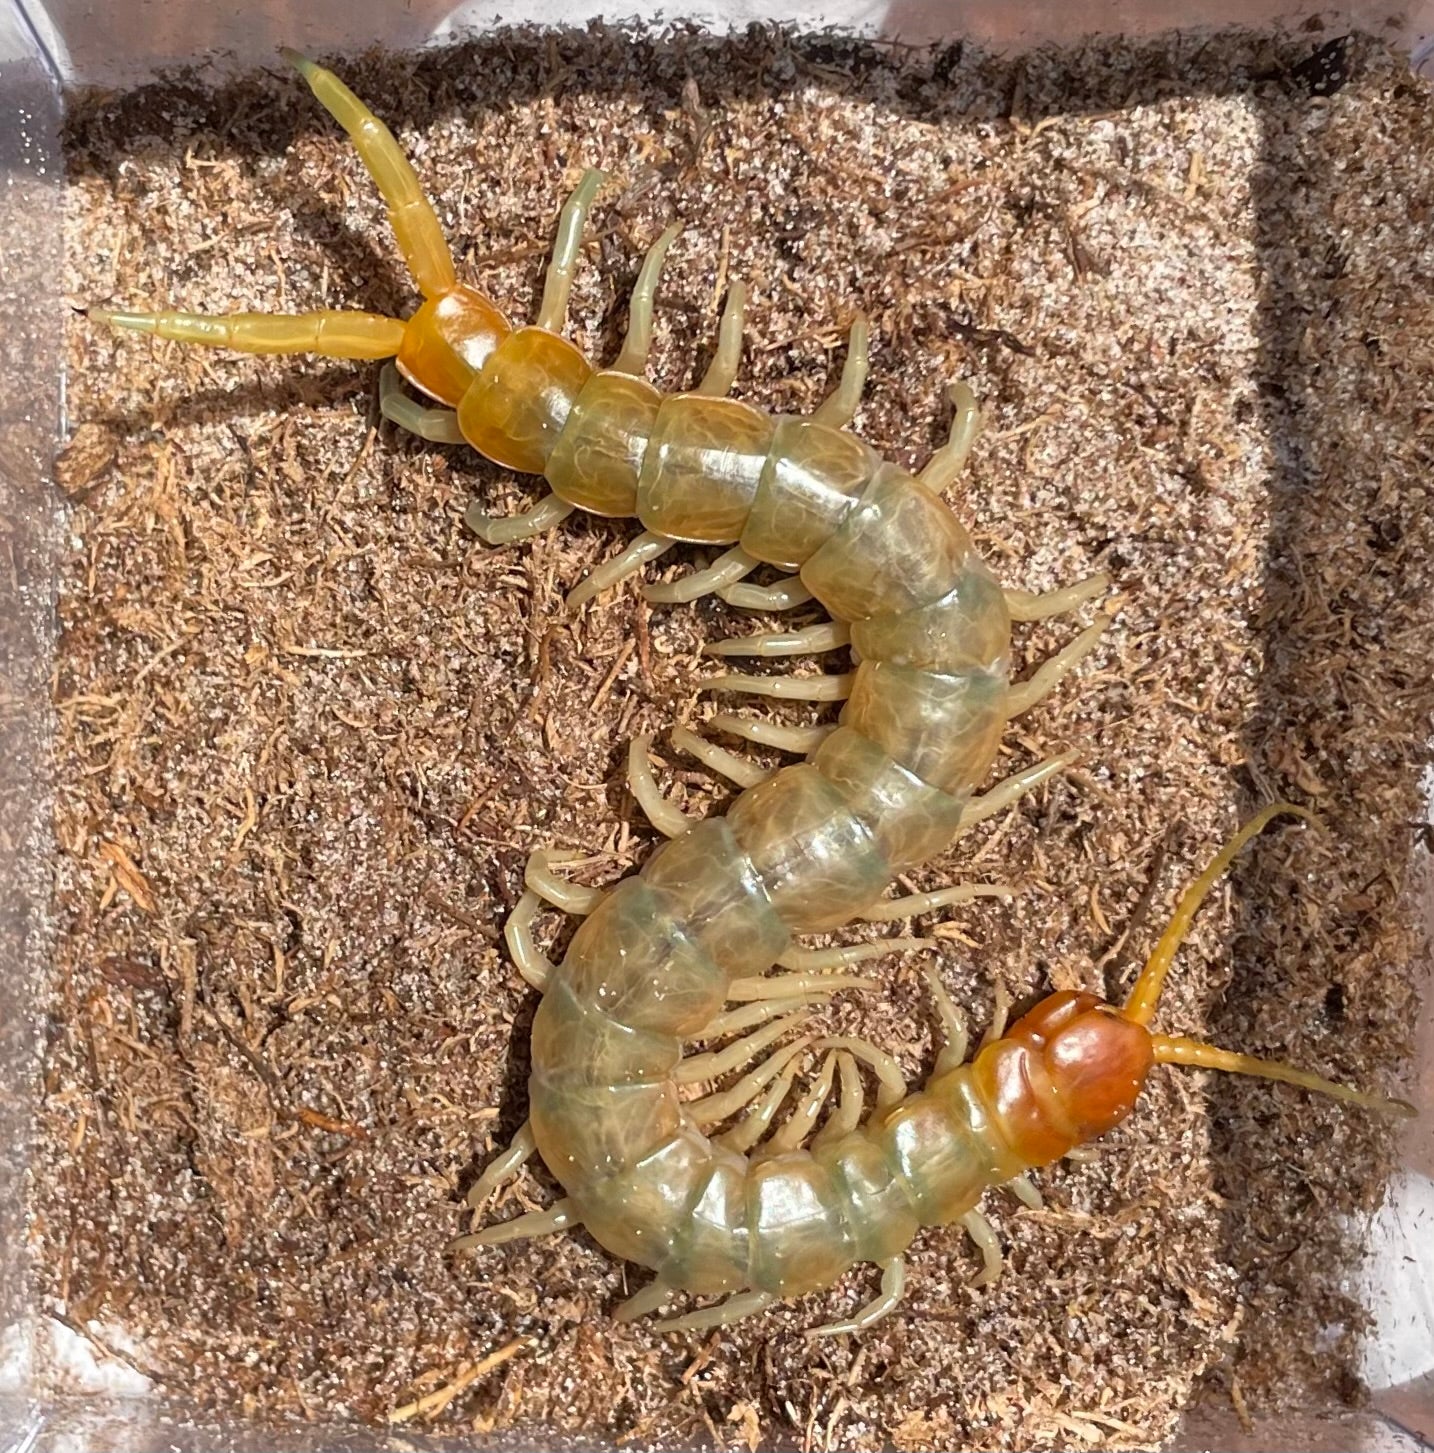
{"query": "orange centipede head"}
{"type": "Point", "coordinates": [1095, 1060]}
{"type": "Point", "coordinates": [1076, 1065]}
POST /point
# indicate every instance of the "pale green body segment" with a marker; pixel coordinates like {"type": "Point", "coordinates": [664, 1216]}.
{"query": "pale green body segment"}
{"type": "Point", "coordinates": [804, 851]}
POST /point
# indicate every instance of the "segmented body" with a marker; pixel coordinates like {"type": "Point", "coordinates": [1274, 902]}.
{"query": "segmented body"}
{"type": "Point", "coordinates": [806, 850]}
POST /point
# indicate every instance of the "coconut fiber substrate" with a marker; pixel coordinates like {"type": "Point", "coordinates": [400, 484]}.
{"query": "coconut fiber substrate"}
{"type": "Point", "coordinates": [309, 728]}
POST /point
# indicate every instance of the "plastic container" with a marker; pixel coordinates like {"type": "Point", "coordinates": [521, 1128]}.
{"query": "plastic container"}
{"type": "Point", "coordinates": [83, 41]}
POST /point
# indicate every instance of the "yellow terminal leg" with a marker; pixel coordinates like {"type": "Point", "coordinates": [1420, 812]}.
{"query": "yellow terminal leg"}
{"type": "Point", "coordinates": [332, 333]}
{"type": "Point", "coordinates": [415, 224]}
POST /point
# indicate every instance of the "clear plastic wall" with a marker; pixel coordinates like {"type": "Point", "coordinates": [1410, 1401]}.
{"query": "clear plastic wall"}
{"type": "Point", "coordinates": [43, 49]}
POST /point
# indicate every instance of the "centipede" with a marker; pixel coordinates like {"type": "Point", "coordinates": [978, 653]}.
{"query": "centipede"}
{"type": "Point", "coordinates": [680, 1005]}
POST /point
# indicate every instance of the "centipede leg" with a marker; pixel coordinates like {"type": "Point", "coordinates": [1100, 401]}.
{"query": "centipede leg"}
{"type": "Point", "coordinates": [531, 962]}
{"type": "Point", "coordinates": [1012, 789]}
{"type": "Point", "coordinates": [781, 595]}
{"type": "Point", "coordinates": [1000, 1013]}
{"type": "Point", "coordinates": [646, 547]}
{"type": "Point", "coordinates": [539, 878]}
{"type": "Point", "coordinates": [758, 1120]}
{"type": "Point", "coordinates": [953, 1023]}
{"type": "Point", "coordinates": [890, 1085]}
{"type": "Point", "coordinates": [788, 688]}
{"type": "Point", "coordinates": [839, 408]}
{"type": "Point", "coordinates": [670, 821]}
{"type": "Point", "coordinates": [415, 224]}
{"type": "Point", "coordinates": [718, 1062]}
{"type": "Point", "coordinates": [1026, 1193]}
{"type": "Point", "coordinates": [760, 1011]}
{"type": "Point", "coordinates": [719, 759]}
{"type": "Point", "coordinates": [946, 463]}
{"type": "Point", "coordinates": [502, 1168]}
{"type": "Point", "coordinates": [980, 1230]}
{"type": "Point", "coordinates": [893, 1285]}
{"type": "Point", "coordinates": [1026, 605]}
{"type": "Point", "coordinates": [722, 371]}
{"type": "Point", "coordinates": [742, 1304]}
{"type": "Point", "coordinates": [850, 1104]}
{"type": "Point", "coordinates": [772, 734]}
{"type": "Point", "coordinates": [1025, 694]}
{"type": "Point", "coordinates": [782, 986]}
{"type": "Point", "coordinates": [715, 1108]}
{"type": "Point", "coordinates": [438, 426]}
{"type": "Point", "coordinates": [553, 310]}
{"type": "Point", "coordinates": [828, 636]}
{"type": "Point", "coordinates": [559, 1217]}
{"type": "Point", "coordinates": [818, 960]}
{"type": "Point", "coordinates": [723, 571]}
{"type": "Point", "coordinates": [640, 1304]}
{"type": "Point", "coordinates": [637, 344]}
{"type": "Point", "coordinates": [915, 903]}
{"type": "Point", "coordinates": [509, 529]}
{"type": "Point", "coordinates": [804, 1116]}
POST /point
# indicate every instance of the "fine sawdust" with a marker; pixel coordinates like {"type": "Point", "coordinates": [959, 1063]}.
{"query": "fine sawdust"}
{"type": "Point", "coordinates": [309, 730]}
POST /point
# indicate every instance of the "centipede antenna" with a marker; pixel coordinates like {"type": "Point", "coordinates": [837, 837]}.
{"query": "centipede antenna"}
{"type": "Point", "coordinates": [1171, 1049]}
{"type": "Point", "coordinates": [1140, 1007]}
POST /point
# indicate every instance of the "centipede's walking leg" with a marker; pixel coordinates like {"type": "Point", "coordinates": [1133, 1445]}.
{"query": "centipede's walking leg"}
{"type": "Point", "coordinates": [783, 986]}
{"type": "Point", "coordinates": [788, 688]}
{"type": "Point", "coordinates": [953, 1023]}
{"type": "Point", "coordinates": [508, 529]}
{"type": "Point", "coordinates": [980, 1230]}
{"type": "Point", "coordinates": [530, 961]}
{"type": "Point", "coordinates": [803, 740]}
{"type": "Point", "coordinates": [553, 310]}
{"type": "Point", "coordinates": [850, 1104]}
{"type": "Point", "coordinates": [715, 1063]}
{"type": "Point", "coordinates": [438, 426]}
{"type": "Point", "coordinates": [780, 595]}
{"type": "Point", "coordinates": [742, 1304]}
{"type": "Point", "coordinates": [758, 1011]}
{"type": "Point", "coordinates": [915, 903]}
{"type": "Point", "coordinates": [719, 759]}
{"type": "Point", "coordinates": [730, 566]}
{"type": "Point", "coordinates": [722, 371]}
{"type": "Point", "coordinates": [1012, 789]}
{"type": "Point", "coordinates": [647, 546]}
{"type": "Point", "coordinates": [820, 960]}
{"type": "Point", "coordinates": [1025, 605]}
{"type": "Point", "coordinates": [839, 407]}
{"type": "Point", "coordinates": [670, 821]}
{"type": "Point", "coordinates": [558, 1217]}
{"type": "Point", "coordinates": [539, 878]}
{"type": "Point", "coordinates": [893, 1285]}
{"type": "Point", "coordinates": [947, 462]}
{"type": "Point", "coordinates": [638, 343]}
{"type": "Point", "coordinates": [757, 1121]}
{"type": "Point", "coordinates": [503, 1168]}
{"type": "Point", "coordinates": [804, 1116]}
{"type": "Point", "coordinates": [639, 1304]}
{"type": "Point", "coordinates": [827, 636]}
{"type": "Point", "coordinates": [890, 1084]}
{"type": "Point", "coordinates": [1025, 694]}
{"type": "Point", "coordinates": [713, 1109]}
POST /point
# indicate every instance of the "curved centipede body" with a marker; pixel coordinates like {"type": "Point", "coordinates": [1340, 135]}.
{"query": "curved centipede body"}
{"type": "Point", "coordinates": [650, 969]}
